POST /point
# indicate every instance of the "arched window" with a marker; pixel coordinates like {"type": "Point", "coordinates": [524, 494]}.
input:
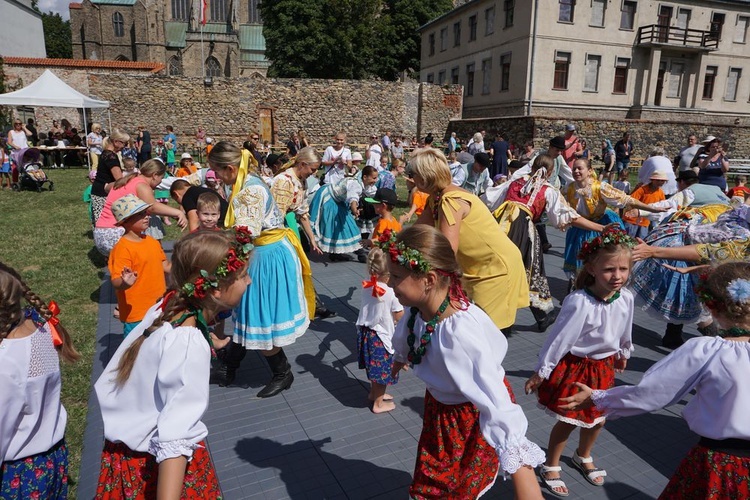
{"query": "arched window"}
{"type": "Point", "coordinates": [181, 10]}
{"type": "Point", "coordinates": [218, 10]}
{"type": "Point", "coordinates": [213, 68]}
{"type": "Point", "coordinates": [121, 58]}
{"type": "Point", "coordinates": [118, 24]}
{"type": "Point", "coordinates": [253, 10]}
{"type": "Point", "coordinates": [174, 66]}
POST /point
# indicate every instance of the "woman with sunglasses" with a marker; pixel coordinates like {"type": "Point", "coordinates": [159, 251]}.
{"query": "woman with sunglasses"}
{"type": "Point", "coordinates": [108, 171]}
{"type": "Point", "coordinates": [18, 136]}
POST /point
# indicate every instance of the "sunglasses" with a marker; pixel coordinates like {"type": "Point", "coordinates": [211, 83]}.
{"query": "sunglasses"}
{"type": "Point", "coordinates": [255, 138]}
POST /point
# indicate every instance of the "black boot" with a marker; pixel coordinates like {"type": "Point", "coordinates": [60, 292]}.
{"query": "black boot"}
{"type": "Point", "coordinates": [543, 319]}
{"type": "Point", "coordinates": [282, 375]}
{"type": "Point", "coordinates": [321, 311]}
{"type": "Point", "coordinates": [228, 360]}
{"type": "Point", "coordinates": [361, 255]}
{"type": "Point", "coordinates": [673, 336]}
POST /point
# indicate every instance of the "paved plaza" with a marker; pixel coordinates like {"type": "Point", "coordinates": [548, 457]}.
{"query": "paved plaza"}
{"type": "Point", "coordinates": [319, 440]}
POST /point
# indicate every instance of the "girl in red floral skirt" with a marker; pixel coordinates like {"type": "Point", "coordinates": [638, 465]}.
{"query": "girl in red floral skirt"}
{"type": "Point", "coordinates": [472, 430]}
{"type": "Point", "coordinates": [154, 391]}
{"type": "Point", "coordinates": [590, 340]}
{"type": "Point", "coordinates": [716, 368]}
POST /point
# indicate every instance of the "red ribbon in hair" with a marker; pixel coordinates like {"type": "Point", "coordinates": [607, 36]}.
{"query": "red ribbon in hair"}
{"type": "Point", "coordinates": [377, 290]}
{"type": "Point", "coordinates": [53, 322]}
{"type": "Point", "coordinates": [456, 289]}
{"type": "Point", "coordinates": [166, 298]}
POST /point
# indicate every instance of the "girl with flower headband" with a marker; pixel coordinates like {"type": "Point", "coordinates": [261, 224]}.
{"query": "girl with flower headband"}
{"type": "Point", "coordinates": [472, 430]}
{"type": "Point", "coordinates": [379, 312]}
{"type": "Point", "coordinates": [154, 391]}
{"type": "Point", "coordinates": [716, 368]}
{"type": "Point", "coordinates": [590, 341]}
{"type": "Point", "coordinates": [32, 419]}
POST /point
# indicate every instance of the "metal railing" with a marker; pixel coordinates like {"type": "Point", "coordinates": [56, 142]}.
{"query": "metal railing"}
{"type": "Point", "coordinates": [672, 35]}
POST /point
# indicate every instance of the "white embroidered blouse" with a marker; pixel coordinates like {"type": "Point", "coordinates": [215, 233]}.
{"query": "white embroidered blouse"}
{"type": "Point", "coordinates": [159, 408]}
{"type": "Point", "coordinates": [715, 368]}
{"type": "Point", "coordinates": [376, 313]}
{"type": "Point", "coordinates": [32, 420]}
{"type": "Point", "coordinates": [560, 214]}
{"type": "Point", "coordinates": [589, 328]}
{"type": "Point", "coordinates": [463, 364]}
{"type": "Point", "coordinates": [289, 193]}
{"type": "Point", "coordinates": [255, 207]}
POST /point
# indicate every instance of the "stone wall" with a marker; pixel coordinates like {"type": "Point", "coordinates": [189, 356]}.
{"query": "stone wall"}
{"type": "Point", "coordinates": [646, 134]}
{"type": "Point", "coordinates": [438, 104]}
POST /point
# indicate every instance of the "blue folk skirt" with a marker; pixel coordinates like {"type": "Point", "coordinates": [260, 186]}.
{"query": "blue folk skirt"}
{"type": "Point", "coordinates": [666, 294]}
{"type": "Point", "coordinates": [374, 358]}
{"type": "Point", "coordinates": [333, 223]}
{"type": "Point", "coordinates": [41, 476]}
{"type": "Point", "coordinates": [576, 237]}
{"type": "Point", "coordinates": [273, 311]}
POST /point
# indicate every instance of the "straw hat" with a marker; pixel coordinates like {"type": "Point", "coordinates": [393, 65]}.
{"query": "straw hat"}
{"type": "Point", "coordinates": [659, 176]}
{"type": "Point", "coordinates": [128, 206]}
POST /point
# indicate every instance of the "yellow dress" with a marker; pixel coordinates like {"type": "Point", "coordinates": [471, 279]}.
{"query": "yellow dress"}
{"type": "Point", "coordinates": [494, 274]}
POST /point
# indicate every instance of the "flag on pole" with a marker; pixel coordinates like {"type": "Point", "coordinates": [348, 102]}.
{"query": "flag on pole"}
{"type": "Point", "coordinates": [204, 7]}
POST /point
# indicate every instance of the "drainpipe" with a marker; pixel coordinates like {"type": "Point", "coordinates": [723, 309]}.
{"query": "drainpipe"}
{"type": "Point", "coordinates": [533, 59]}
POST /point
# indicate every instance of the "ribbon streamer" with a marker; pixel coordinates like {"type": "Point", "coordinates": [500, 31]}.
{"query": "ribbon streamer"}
{"type": "Point", "coordinates": [377, 290]}
{"type": "Point", "coordinates": [53, 322]}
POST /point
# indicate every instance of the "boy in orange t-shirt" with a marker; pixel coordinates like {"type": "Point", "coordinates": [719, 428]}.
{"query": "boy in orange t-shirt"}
{"type": "Point", "coordinates": [637, 226]}
{"type": "Point", "coordinates": [137, 263]}
{"type": "Point", "coordinates": [384, 200]}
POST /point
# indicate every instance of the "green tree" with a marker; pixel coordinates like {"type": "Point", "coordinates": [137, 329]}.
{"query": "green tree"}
{"type": "Point", "coordinates": [57, 38]}
{"type": "Point", "coordinates": [352, 39]}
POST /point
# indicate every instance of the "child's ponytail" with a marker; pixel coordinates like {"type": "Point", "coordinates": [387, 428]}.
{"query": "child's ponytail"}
{"type": "Point", "coordinates": [66, 349]}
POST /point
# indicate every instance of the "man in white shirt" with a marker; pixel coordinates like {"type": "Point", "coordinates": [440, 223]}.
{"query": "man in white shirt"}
{"type": "Point", "coordinates": [397, 149]}
{"type": "Point", "coordinates": [374, 152]}
{"type": "Point", "coordinates": [336, 160]}
{"type": "Point", "coordinates": [688, 153]}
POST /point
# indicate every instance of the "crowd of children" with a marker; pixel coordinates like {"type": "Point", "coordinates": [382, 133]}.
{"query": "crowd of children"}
{"type": "Point", "coordinates": [414, 313]}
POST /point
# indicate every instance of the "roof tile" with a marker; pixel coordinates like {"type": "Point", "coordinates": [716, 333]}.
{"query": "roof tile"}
{"type": "Point", "coordinates": [154, 67]}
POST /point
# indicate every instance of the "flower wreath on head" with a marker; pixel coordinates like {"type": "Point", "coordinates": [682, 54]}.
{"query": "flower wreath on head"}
{"type": "Point", "coordinates": [610, 236]}
{"type": "Point", "coordinates": [236, 258]}
{"type": "Point", "coordinates": [414, 260]}
{"type": "Point", "coordinates": [737, 289]}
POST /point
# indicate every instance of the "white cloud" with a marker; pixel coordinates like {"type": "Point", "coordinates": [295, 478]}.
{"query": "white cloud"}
{"type": "Point", "coordinates": [56, 7]}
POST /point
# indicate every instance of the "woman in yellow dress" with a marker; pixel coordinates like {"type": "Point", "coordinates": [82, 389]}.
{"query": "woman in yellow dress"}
{"type": "Point", "coordinates": [493, 272]}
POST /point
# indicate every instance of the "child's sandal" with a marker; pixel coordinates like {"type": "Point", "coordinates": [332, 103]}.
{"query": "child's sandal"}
{"type": "Point", "coordinates": [591, 475]}
{"type": "Point", "coordinates": [551, 484]}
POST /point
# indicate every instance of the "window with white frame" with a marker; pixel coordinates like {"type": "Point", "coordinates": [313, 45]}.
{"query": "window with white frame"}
{"type": "Point", "coordinates": [598, 8]}
{"type": "Point", "coordinates": [562, 66]}
{"type": "Point", "coordinates": [733, 83]}
{"type": "Point", "coordinates": [622, 65]}
{"type": "Point", "coordinates": [486, 75]}
{"type": "Point", "coordinates": [591, 76]}
{"type": "Point", "coordinates": [505, 71]}
{"type": "Point", "coordinates": [740, 29]}
{"type": "Point", "coordinates": [567, 10]}
{"type": "Point", "coordinates": [683, 18]}
{"type": "Point", "coordinates": [627, 15]}
{"type": "Point", "coordinates": [489, 21]}
{"type": "Point", "coordinates": [674, 83]}
{"type": "Point", "coordinates": [709, 81]}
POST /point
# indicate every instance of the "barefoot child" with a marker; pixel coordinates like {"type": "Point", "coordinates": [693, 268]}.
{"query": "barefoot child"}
{"type": "Point", "coordinates": [378, 315]}
{"type": "Point", "coordinates": [716, 369]}
{"type": "Point", "coordinates": [154, 391]}
{"type": "Point", "coordinates": [472, 431]}
{"type": "Point", "coordinates": [137, 263]}
{"type": "Point", "coordinates": [32, 420]}
{"type": "Point", "coordinates": [590, 340]}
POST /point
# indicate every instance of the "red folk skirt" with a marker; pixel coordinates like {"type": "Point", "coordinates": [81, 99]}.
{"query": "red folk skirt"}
{"type": "Point", "coordinates": [453, 459]}
{"type": "Point", "coordinates": [131, 475]}
{"type": "Point", "coordinates": [706, 474]}
{"type": "Point", "coordinates": [595, 373]}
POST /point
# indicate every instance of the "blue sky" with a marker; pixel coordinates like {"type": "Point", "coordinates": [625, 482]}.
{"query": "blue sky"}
{"type": "Point", "coordinates": [56, 7]}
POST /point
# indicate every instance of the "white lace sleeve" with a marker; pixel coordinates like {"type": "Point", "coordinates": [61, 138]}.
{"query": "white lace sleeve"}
{"type": "Point", "coordinates": [564, 333]}
{"type": "Point", "coordinates": [560, 214]}
{"type": "Point", "coordinates": [502, 422]}
{"type": "Point", "coordinates": [182, 387]}
{"type": "Point", "coordinates": [250, 208]}
{"type": "Point", "coordinates": [613, 196]}
{"type": "Point", "coordinates": [353, 191]}
{"type": "Point", "coordinates": [665, 383]}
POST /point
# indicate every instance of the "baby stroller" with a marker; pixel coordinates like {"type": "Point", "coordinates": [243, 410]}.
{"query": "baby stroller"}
{"type": "Point", "coordinates": [28, 172]}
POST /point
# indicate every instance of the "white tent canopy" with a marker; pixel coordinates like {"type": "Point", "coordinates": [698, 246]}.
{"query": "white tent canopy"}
{"type": "Point", "coordinates": [49, 91]}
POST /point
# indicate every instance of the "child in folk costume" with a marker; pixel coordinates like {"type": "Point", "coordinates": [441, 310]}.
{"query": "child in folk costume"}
{"type": "Point", "coordinates": [716, 368]}
{"type": "Point", "coordinates": [591, 339]}
{"type": "Point", "coordinates": [378, 314]}
{"type": "Point", "coordinates": [154, 391]}
{"type": "Point", "coordinates": [472, 430]}
{"type": "Point", "coordinates": [32, 420]}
